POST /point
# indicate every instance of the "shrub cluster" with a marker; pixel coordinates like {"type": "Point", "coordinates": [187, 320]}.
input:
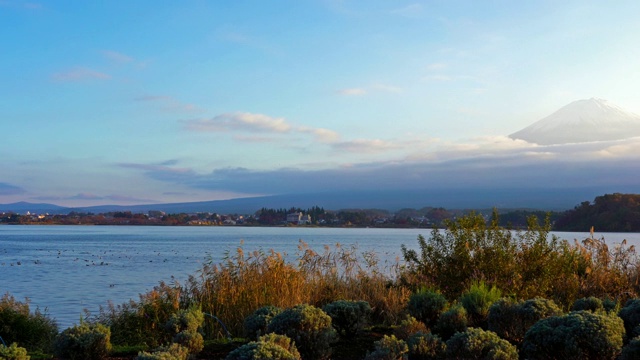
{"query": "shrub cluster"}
{"type": "Point", "coordinates": [479, 344]}
{"type": "Point", "coordinates": [184, 326]}
{"type": "Point", "coordinates": [426, 305]}
{"type": "Point", "coordinates": [141, 322]}
{"type": "Point", "coordinates": [309, 327]}
{"type": "Point", "coordinates": [630, 315]}
{"type": "Point", "coordinates": [34, 331]}
{"type": "Point", "coordinates": [511, 320]}
{"type": "Point", "coordinates": [348, 317]}
{"type": "Point", "coordinates": [270, 346]}
{"type": "Point", "coordinates": [84, 342]}
{"type": "Point", "coordinates": [408, 327]}
{"type": "Point", "coordinates": [526, 264]}
{"type": "Point", "coordinates": [388, 348]}
{"type": "Point", "coordinates": [577, 335]}
{"type": "Point", "coordinates": [451, 321]}
{"type": "Point", "coordinates": [477, 301]}
{"type": "Point", "coordinates": [590, 303]}
{"type": "Point", "coordinates": [426, 346]}
{"type": "Point", "coordinates": [13, 352]}
{"type": "Point", "coordinates": [171, 352]}
{"type": "Point", "coordinates": [256, 324]}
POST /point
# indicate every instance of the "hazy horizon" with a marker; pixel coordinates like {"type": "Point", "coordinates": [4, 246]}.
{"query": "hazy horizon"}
{"type": "Point", "coordinates": [146, 102]}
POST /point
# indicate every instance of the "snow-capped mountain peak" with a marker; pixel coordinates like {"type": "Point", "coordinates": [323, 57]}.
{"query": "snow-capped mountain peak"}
{"type": "Point", "coordinates": [582, 121]}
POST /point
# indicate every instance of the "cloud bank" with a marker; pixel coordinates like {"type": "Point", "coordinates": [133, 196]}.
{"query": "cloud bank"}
{"type": "Point", "coordinates": [484, 166]}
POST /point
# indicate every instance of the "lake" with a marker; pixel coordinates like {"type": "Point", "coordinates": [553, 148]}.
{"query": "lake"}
{"type": "Point", "coordinates": [66, 269]}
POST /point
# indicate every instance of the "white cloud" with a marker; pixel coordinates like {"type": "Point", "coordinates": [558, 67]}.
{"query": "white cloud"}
{"type": "Point", "coordinates": [352, 92]}
{"type": "Point", "coordinates": [257, 123]}
{"type": "Point", "coordinates": [321, 135]}
{"type": "Point", "coordinates": [239, 121]}
{"type": "Point", "coordinates": [365, 146]}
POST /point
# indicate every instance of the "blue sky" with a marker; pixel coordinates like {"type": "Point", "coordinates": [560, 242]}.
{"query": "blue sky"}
{"type": "Point", "coordinates": [127, 102]}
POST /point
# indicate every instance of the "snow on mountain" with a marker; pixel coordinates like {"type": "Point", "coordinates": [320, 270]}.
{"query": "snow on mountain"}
{"type": "Point", "coordinates": [582, 121]}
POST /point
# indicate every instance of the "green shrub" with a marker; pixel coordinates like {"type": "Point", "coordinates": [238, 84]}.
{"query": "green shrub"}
{"type": "Point", "coordinates": [33, 331]}
{"type": "Point", "coordinates": [185, 319]}
{"type": "Point", "coordinates": [309, 327]}
{"type": "Point", "coordinates": [184, 326]}
{"type": "Point", "coordinates": [256, 324]}
{"type": "Point", "coordinates": [479, 344]}
{"type": "Point", "coordinates": [171, 352]}
{"type": "Point", "coordinates": [270, 346]}
{"type": "Point", "coordinates": [389, 348]}
{"type": "Point", "coordinates": [427, 305]}
{"type": "Point", "coordinates": [408, 327]}
{"type": "Point", "coordinates": [511, 320]}
{"type": "Point", "coordinates": [13, 352]}
{"type": "Point", "coordinates": [577, 335]}
{"type": "Point", "coordinates": [141, 322]}
{"type": "Point", "coordinates": [451, 321]}
{"type": "Point", "coordinates": [477, 301]}
{"type": "Point", "coordinates": [611, 305]}
{"type": "Point", "coordinates": [84, 341]}
{"type": "Point", "coordinates": [591, 303]}
{"type": "Point", "coordinates": [191, 340]}
{"type": "Point", "coordinates": [426, 346]}
{"type": "Point", "coordinates": [348, 317]}
{"type": "Point", "coordinates": [632, 350]}
{"type": "Point", "coordinates": [630, 314]}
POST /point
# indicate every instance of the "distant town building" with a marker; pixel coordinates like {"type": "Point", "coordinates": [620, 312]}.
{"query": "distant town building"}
{"type": "Point", "coordinates": [298, 218]}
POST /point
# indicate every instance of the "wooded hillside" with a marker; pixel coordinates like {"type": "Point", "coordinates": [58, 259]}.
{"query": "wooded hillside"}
{"type": "Point", "coordinates": [607, 213]}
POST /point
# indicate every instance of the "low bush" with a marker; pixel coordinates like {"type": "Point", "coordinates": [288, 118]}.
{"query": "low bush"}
{"type": "Point", "coordinates": [389, 348]}
{"type": "Point", "coordinates": [140, 322]}
{"type": "Point", "coordinates": [255, 325]}
{"type": "Point", "coordinates": [611, 305]}
{"type": "Point", "coordinates": [479, 344]}
{"type": "Point", "coordinates": [477, 301]}
{"type": "Point", "coordinates": [84, 341]}
{"type": "Point", "coordinates": [270, 346]}
{"type": "Point", "coordinates": [348, 317]}
{"type": "Point", "coordinates": [13, 352]}
{"type": "Point", "coordinates": [408, 327]}
{"type": "Point", "coordinates": [184, 326]}
{"type": "Point", "coordinates": [632, 350]}
{"type": "Point", "coordinates": [34, 331]}
{"type": "Point", "coordinates": [590, 303]}
{"type": "Point", "coordinates": [511, 320]}
{"type": "Point", "coordinates": [426, 305]}
{"type": "Point", "coordinates": [171, 352]}
{"type": "Point", "coordinates": [630, 314]}
{"type": "Point", "coordinates": [451, 321]}
{"type": "Point", "coordinates": [309, 327]}
{"type": "Point", "coordinates": [426, 346]}
{"type": "Point", "coordinates": [577, 335]}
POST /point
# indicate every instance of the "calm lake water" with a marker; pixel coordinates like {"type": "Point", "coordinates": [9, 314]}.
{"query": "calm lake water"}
{"type": "Point", "coordinates": [66, 269]}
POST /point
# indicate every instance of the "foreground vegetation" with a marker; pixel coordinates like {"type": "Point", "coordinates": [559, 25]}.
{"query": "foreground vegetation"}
{"type": "Point", "coordinates": [473, 291]}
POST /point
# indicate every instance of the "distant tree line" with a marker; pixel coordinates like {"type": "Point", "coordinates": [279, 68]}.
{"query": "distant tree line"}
{"type": "Point", "coordinates": [607, 213]}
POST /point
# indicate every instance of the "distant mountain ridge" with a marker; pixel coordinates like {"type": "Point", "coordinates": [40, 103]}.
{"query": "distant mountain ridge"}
{"type": "Point", "coordinates": [582, 121]}
{"type": "Point", "coordinates": [543, 199]}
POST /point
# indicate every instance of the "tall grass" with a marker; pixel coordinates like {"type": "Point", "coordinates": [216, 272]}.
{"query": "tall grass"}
{"type": "Point", "coordinates": [244, 282]}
